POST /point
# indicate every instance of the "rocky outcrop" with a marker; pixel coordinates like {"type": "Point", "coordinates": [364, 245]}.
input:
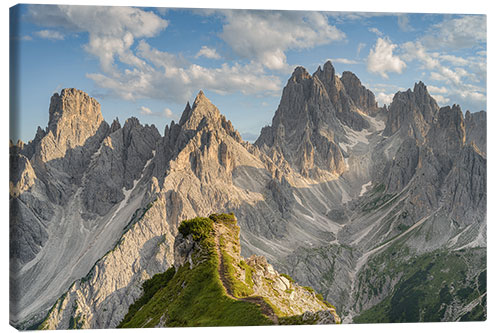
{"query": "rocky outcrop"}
{"type": "Point", "coordinates": [74, 117]}
{"type": "Point", "coordinates": [403, 166]}
{"type": "Point", "coordinates": [75, 181]}
{"type": "Point", "coordinates": [346, 107]}
{"type": "Point", "coordinates": [304, 127]}
{"type": "Point", "coordinates": [411, 113]}
{"type": "Point", "coordinates": [363, 98]}
{"type": "Point", "coordinates": [289, 301]}
{"type": "Point", "coordinates": [314, 117]}
{"type": "Point", "coordinates": [465, 188]}
{"type": "Point", "coordinates": [475, 127]}
{"type": "Point", "coordinates": [118, 165]}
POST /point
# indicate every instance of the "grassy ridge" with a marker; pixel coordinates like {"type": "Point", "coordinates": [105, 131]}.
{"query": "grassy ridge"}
{"type": "Point", "coordinates": [194, 297]}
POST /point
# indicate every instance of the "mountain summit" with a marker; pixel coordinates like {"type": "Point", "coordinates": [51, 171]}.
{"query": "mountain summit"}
{"type": "Point", "coordinates": [312, 118]}
{"type": "Point", "coordinates": [202, 110]}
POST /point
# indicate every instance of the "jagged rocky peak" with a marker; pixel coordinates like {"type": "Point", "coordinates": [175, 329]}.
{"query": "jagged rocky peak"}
{"type": "Point", "coordinates": [115, 125]}
{"type": "Point", "coordinates": [202, 113]}
{"type": "Point", "coordinates": [299, 74]}
{"type": "Point", "coordinates": [344, 106]}
{"type": "Point", "coordinates": [202, 109]}
{"type": "Point", "coordinates": [452, 117]}
{"type": "Point", "coordinates": [449, 132]}
{"type": "Point", "coordinates": [73, 116]}
{"type": "Point", "coordinates": [412, 112]}
{"type": "Point", "coordinates": [304, 126]}
{"type": "Point", "coordinates": [361, 96]}
{"type": "Point", "coordinates": [327, 74]}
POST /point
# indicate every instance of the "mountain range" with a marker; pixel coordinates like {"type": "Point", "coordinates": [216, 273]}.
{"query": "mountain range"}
{"type": "Point", "coordinates": [382, 210]}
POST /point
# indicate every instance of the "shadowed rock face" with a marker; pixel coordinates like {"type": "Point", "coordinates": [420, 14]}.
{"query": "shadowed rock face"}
{"type": "Point", "coordinates": [363, 98]}
{"type": "Point", "coordinates": [411, 112]}
{"type": "Point", "coordinates": [308, 124]}
{"type": "Point", "coordinates": [475, 126]}
{"type": "Point", "coordinates": [331, 184]}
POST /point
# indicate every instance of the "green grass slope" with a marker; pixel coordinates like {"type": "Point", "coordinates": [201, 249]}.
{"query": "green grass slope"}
{"type": "Point", "coordinates": [192, 296]}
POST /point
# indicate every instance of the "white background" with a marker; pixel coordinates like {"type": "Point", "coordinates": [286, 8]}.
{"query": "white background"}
{"type": "Point", "coordinates": [418, 6]}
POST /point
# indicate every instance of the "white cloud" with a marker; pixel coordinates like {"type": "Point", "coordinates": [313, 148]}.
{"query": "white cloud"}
{"type": "Point", "coordinates": [166, 113]}
{"type": "Point", "coordinates": [49, 34]}
{"type": "Point", "coordinates": [342, 17]}
{"type": "Point", "coordinates": [452, 71]}
{"type": "Point", "coordinates": [382, 60]}
{"type": "Point", "coordinates": [112, 30]}
{"type": "Point", "coordinates": [265, 36]}
{"type": "Point", "coordinates": [437, 90]}
{"type": "Point", "coordinates": [459, 61]}
{"type": "Point", "coordinates": [146, 111]}
{"type": "Point", "coordinates": [464, 32]}
{"type": "Point", "coordinates": [449, 75]}
{"type": "Point", "coordinates": [383, 98]}
{"type": "Point", "coordinates": [416, 51]}
{"type": "Point", "coordinates": [475, 96]}
{"type": "Point", "coordinates": [170, 77]}
{"type": "Point", "coordinates": [149, 72]}
{"type": "Point", "coordinates": [343, 61]}
{"type": "Point", "coordinates": [207, 52]}
{"type": "Point", "coordinates": [376, 32]}
{"type": "Point", "coordinates": [441, 100]}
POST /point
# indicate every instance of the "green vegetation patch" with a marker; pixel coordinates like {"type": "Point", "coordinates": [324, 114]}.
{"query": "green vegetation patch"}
{"type": "Point", "coordinates": [238, 288]}
{"type": "Point", "coordinates": [149, 287]}
{"type": "Point", "coordinates": [288, 277]}
{"type": "Point", "coordinates": [309, 289]}
{"type": "Point", "coordinates": [226, 219]}
{"type": "Point", "coordinates": [377, 198]}
{"type": "Point", "coordinates": [196, 297]}
{"type": "Point", "coordinates": [199, 228]}
{"type": "Point", "coordinates": [429, 285]}
{"type": "Point", "coordinates": [248, 273]}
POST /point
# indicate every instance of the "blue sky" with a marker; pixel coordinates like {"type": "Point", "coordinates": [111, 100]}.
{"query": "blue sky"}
{"type": "Point", "coordinates": [148, 62]}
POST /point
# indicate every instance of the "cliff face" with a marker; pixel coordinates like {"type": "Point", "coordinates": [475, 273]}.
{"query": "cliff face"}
{"type": "Point", "coordinates": [411, 112]}
{"type": "Point", "coordinates": [334, 186]}
{"type": "Point", "coordinates": [75, 186]}
{"type": "Point", "coordinates": [310, 122]}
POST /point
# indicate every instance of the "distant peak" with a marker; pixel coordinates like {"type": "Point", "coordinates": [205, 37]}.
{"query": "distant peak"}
{"type": "Point", "coordinates": [115, 125]}
{"type": "Point", "coordinates": [327, 74]}
{"type": "Point", "coordinates": [73, 102]}
{"type": "Point", "coordinates": [420, 87]}
{"type": "Point", "coordinates": [200, 98]}
{"type": "Point", "coordinates": [300, 73]}
{"type": "Point", "coordinates": [202, 108]}
{"type": "Point", "coordinates": [328, 66]}
{"type": "Point", "coordinates": [347, 75]}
